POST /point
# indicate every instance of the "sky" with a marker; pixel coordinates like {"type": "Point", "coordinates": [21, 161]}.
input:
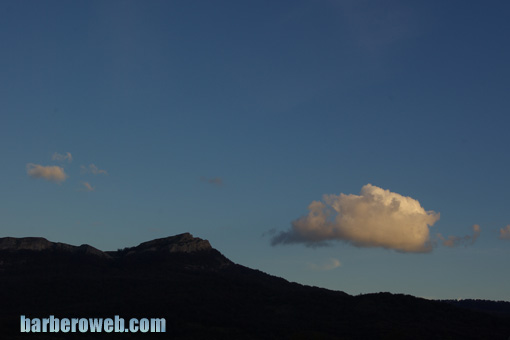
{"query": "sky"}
{"type": "Point", "coordinates": [359, 146]}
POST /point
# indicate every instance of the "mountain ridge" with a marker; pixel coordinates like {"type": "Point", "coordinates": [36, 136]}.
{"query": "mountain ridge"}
{"type": "Point", "coordinates": [202, 294]}
{"type": "Point", "coordinates": [13, 244]}
{"type": "Point", "coordinates": [184, 242]}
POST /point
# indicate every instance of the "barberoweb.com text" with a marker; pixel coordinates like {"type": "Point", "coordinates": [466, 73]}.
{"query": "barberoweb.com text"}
{"type": "Point", "coordinates": [93, 325]}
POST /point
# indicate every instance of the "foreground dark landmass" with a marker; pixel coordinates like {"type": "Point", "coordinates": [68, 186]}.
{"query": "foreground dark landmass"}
{"type": "Point", "coordinates": [203, 295]}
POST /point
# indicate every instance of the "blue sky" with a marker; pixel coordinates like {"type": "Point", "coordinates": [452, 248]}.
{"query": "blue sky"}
{"type": "Point", "coordinates": [227, 119]}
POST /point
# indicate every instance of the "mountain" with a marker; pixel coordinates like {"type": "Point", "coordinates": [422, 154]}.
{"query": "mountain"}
{"type": "Point", "coordinates": [11, 244]}
{"type": "Point", "coordinates": [204, 295]}
{"type": "Point", "coordinates": [494, 307]}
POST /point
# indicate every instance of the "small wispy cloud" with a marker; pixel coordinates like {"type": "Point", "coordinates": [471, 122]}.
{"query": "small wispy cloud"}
{"type": "Point", "coordinates": [59, 157]}
{"type": "Point", "coordinates": [87, 186]}
{"type": "Point", "coordinates": [50, 173]}
{"type": "Point", "coordinates": [504, 233]}
{"type": "Point", "coordinates": [454, 241]}
{"type": "Point", "coordinates": [93, 169]}
{"type": "Point", "coordinates": [375, 218]}
{"type": "Point", "coordinates": [330, 264]}
{"type": "Point", "coordinates": [269, 232]}
{"type": "Point", "coordinates": [214, 181]}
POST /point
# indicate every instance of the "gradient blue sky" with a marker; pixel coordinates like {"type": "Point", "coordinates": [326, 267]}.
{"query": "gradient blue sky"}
{"type": "Point", "coordinates": [226, 119]}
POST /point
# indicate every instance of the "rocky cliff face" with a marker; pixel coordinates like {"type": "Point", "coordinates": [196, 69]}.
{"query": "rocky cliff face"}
{"type": "Point", "coordinates": [182, 243]}
{"type": "Point", "coordinates": [181, 251]}
{"type": "Point", "coordinates": [12, 244]}
{"type": "Point", "coordinates": [25, 243]}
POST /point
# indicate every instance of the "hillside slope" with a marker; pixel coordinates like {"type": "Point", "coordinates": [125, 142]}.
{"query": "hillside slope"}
{"type": "Point", "coordinates": [204, 295]}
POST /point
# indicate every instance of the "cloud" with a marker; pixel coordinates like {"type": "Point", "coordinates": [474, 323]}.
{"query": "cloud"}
{"type": "Point", "coordinates": [330, 264]}
{"type": "Point", "coordinates": [93, 170]}
{"type": "Point", "coordinates": [87, 186]}
{"type": "Point", "coordinates": [454, 241]}
{"type": "Point", "coordinates": [49, 173]}
{"type": "Point", "coordinates": [58, 157]}
{"type": "Point", "coordinates": [375, 218]}
{"type": "Point", "coordinates": [269, 232]}
{"type": "Point", "coordinates": [504, 233]}
{"type": "Point", "coordinates": [214, 181]}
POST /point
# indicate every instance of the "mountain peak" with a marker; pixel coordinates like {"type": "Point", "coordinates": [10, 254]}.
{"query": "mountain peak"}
{"type": "Point", "coordinates": [183, 243]}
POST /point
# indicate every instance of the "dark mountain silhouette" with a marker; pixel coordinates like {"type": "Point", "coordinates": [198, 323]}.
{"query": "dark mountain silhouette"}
{"type": "Point", "coordinates": [204, 295]}
{"type": "Point", "coordinates": [494, 307]}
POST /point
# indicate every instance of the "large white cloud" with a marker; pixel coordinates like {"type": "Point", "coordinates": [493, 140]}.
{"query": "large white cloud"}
{"type": "Point", "coordinates": [49, 173]}
{"type": "Point", "coordinates": [375, 218]}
